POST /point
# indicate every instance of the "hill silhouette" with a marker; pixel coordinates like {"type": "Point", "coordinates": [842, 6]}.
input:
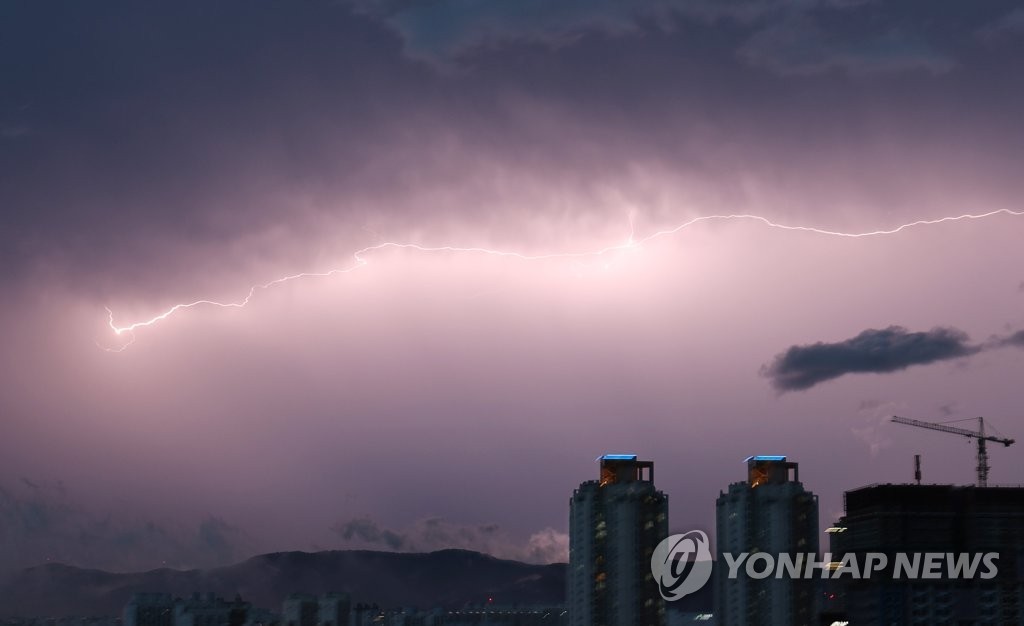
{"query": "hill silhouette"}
{"type": "Point", "coordinates": [447, 578]}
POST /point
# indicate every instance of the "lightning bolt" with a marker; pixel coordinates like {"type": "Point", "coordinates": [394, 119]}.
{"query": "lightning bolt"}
{"type": "Point", "coordinates": [360, 260]}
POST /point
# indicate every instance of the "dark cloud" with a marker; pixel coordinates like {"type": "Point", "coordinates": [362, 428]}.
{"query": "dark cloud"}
{"type": "Point", "coordinates": [876, 351]}
{"type": "Point", "coordinates": [1004, 28]}
{"type": "Point", "coordinates": [445, 31]}
{"type": "Point", "coordinates": [219, 540]}
{"type": "Point", "coordinates": [427, 535]}
{"type": "Point", "coordinates": [800, 46]}
{"type": "Point", "coordinates": [14, 131]}
{"type": "Point", "coordinates": [197, 125]}
{"type": "Point", "coordinates": [369, 531]}
{"type": "Point", "coordinates": [1016, 339]}
{"type": "Point", "coordinates": [804, 37]}
{"type": "Point", "coordinates": [177, 124]}
{"type": "Point", "coordinates": [41, 522]}
{"type": "Point", "coordinates": [152, 153]}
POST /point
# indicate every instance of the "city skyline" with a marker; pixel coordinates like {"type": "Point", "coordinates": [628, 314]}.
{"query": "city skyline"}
{"type": "Point", "coordinates": [620, 571]}
{"type": "Point", "coordinates": [158, 155]}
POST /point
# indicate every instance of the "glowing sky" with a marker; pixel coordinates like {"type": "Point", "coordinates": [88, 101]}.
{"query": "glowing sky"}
{"type": "Point", "coordinates": [155, 154]}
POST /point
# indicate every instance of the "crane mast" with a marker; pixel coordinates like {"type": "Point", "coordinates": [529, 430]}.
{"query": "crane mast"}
{"type": "Point", "coordinates": [978, 435]}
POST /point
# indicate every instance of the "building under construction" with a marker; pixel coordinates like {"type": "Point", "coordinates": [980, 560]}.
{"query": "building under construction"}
{"type": "Point", "coordinates": [947, 519]}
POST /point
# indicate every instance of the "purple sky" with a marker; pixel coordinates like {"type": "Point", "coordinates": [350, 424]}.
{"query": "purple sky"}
{"type": "Point", "coordinates": [159, 153]}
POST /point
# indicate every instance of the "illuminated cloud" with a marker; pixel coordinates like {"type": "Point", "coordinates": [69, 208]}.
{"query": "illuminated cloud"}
{"type": "Point", "coordinates": [186, 150]}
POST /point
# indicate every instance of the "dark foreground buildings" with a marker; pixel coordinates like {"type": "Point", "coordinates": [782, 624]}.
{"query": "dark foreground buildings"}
{"type": "Point", "coordinates": [946, 519]}
{"type": "Point", "coordinates": [614, 525]}
{"type": "Point", "coordinates": [769, 512]}
{"type": "Point", "coordinates": [163, 609]}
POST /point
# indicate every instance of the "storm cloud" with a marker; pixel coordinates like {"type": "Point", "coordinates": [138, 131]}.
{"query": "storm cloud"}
{"type": "Point", "coordinates": [153, 154]}
{"type": "Point", "coordinates": [1016, 339]}
{"type": "Point", "coordinates": [872, 351]}
{"type": "Point", "coordinates": [807, 37]}
{"type": "Point", "coordinates": [43, 522]}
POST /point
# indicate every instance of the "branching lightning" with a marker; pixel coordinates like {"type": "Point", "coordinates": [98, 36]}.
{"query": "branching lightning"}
{"type": "Point", "coordinates": [359, 258]}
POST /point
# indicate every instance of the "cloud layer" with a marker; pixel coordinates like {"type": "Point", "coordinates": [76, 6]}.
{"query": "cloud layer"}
{"type": "Point", "coordinates": [1016, 339]}
{"type": "Point", "coordinates": [42, 522]}
{"type": "Point", "coordinates": [787, 38]}
{"type": "Point", "coordinates": [545, 546]}
{"type": "Point", "coordinates": [156, 153]}
{"type": "Point", "coordinates": [872, 351]}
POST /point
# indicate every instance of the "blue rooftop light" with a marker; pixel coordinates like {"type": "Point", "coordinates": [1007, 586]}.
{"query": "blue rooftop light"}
{"type": "Point", "coordinates": [765, 457]}
{"type": "Point", "coordinates": [618, 457]}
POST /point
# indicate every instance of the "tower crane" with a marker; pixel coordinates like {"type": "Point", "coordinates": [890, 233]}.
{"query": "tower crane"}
{"type": "Point", "coordinates": [979, 435]}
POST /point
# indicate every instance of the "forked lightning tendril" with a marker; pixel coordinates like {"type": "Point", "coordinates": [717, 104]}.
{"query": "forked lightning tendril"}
{"type": "Point", "coordinates": [359, 258]}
